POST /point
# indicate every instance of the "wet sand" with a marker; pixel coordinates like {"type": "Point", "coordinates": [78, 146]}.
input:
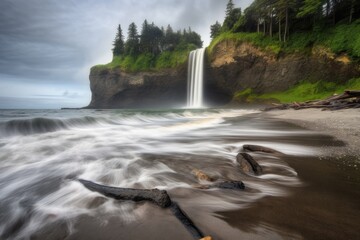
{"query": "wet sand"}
{"type": "Point", "coordinates": [344, 125]}
{"type": "Point", "coordinates": [327, 205]}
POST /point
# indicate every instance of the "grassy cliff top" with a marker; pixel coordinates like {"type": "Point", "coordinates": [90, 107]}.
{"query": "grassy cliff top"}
{"type": "Point", "coordinates": [342, 38]}
{"type": "Point", "coordinates": [150, 62]}
{"type": "Point", "coordinates": [302, 92]}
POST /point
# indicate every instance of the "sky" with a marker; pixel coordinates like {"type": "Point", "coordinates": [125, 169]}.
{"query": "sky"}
{"type": "Point", "coordinates": [48, 46]}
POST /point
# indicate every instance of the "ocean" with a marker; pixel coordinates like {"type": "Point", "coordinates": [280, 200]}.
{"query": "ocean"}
{"type": "Point", "coordinates": [43, 153]}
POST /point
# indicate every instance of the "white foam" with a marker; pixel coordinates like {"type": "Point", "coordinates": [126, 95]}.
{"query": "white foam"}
{"type": "Point", "coordinates": [44, 167]}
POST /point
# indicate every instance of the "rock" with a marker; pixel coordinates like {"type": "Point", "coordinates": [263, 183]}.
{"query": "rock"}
{"type": "Point", "coordinates": [248, 163]}
{"type": "Point", "coordinates": [256, 148]}
{"type": "Point", "coordinates": [159, 197]}
{"type": "Point", "coordinates": [113, 88]}
{"type": "Point", "coordinates": [234, 185]}
{"type": "Point", "coordinates": [201, 176]}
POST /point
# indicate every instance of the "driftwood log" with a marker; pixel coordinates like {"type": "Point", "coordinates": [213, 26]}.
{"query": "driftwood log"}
{"type": "Point", "coordinates": [159, 197]}
{"type": "Point", "coordinates": [248, 163]}
{"type": "Point", "coordinates": [186, 221]}
{"type": "Point", "coordinates": [346, 100]}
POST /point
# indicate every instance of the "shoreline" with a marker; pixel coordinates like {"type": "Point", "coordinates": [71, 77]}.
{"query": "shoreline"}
{"type": "Point", "coordinates": [343, 125]}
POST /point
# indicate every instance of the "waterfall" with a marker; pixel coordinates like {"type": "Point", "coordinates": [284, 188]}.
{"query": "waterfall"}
{"type": "Point", "coordinates": [195, 78]}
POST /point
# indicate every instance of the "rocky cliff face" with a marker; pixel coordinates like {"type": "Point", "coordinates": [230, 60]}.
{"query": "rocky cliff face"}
{"type": "Point", "coordinates": [112, 88]}
{"type": "Point", "coordinates": [230, 68]}
{"type": "Point", "coordinates": [234, 67]}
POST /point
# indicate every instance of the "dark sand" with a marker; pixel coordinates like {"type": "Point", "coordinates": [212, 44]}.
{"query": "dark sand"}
{"type": "Point", "coordinates": [344, 125]}
{"type": "Point", "coordinates": [326, 207]}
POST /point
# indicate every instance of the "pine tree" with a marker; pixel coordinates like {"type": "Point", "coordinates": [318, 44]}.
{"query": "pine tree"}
{"type": "Point", "coordinates": [132, 42]}
{"type": "Point", "coordinates": [229, 8]}
{"type": "Point", "coordinates": [118, 43]}
{"type": "Point", "coordinates": [145, 38]}
{"type": "Point", "coordinates": [215, 30]}
{"type": "Point", "coordinates": [232, 15]}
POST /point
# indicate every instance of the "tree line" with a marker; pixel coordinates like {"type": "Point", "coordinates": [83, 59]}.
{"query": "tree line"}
{"type": "Point", "coordinates": [152, 40]}
{"type": "Point", "coordinates": [279, 18]}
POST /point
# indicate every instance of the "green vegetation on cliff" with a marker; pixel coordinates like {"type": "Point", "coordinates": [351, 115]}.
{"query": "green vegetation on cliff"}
{"type": "Point", "coordinates": [302, 92]}
{"type": "Point", "coordinates": [151, 62]}
{"type": "Point", "coordinates": [282, 26]}
{"type": "Point", "coordinates": [308, 27]}
{"type": "Point", "coordinates": [343, 38]}
{"type": "Point", "coordinates": [153, 49]}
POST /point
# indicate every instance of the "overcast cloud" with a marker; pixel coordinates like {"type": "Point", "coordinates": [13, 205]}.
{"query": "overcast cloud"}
{"type": "Point", "coordinates": [48, 46]}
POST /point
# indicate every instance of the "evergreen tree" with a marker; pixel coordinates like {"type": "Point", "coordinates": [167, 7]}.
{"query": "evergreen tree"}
{"type": "Point", "coordinates": [145, 38]}
{"type": "Point", "coordinates": [156, 37]}
{"type": "Point", "coordinates": [132, 42]}
{"type": "Point", "coordinates": [194, 38]}
{"type": "Point", "coordinates": [215, 30]}
{"type": "Point", "coordinates": [170, 39]}
{"type": "Point", "coordinates": [229, 8]}
{"type": "Point", "coordinates": [231, 16]}
{"type": "Point", "coordinates": [118, 43]}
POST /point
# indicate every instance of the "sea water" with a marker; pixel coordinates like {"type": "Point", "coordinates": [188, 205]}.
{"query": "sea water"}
{"type": "Point", "coordinates": [44, 152]}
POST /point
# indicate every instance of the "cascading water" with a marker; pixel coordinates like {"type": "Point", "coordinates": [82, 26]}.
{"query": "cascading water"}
{"type": "Point", "coordinates": [195, 79]}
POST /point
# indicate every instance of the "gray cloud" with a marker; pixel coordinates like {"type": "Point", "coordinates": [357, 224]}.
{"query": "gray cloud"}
{"type": "Point", "coordinates": [55, 42]}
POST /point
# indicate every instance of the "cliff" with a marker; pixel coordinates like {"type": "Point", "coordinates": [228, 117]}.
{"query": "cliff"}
{"type": "Point", "coordinates": [113, 88]}
{"type": "Point", "coordinates": [234, 67]}
{"type": "Point", "coordinates": [231, 67]}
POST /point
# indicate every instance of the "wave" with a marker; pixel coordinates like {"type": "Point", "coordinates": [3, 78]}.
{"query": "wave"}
{"type": "Point", "coordinates": [42, 125]}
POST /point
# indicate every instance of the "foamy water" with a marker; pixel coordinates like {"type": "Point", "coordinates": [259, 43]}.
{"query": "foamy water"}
{"type": "Point", "coordinates": [43, 153]}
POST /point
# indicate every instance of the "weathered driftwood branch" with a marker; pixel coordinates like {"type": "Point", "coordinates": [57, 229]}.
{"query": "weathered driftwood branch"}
{"type": "Point", "coordinates": [248, 164]}
{"type": "Point", "coordinates": [186, 221]}
{"type": "Point", "coordinates": [348, 99]}
{"type": "Point", "coordinates": [159, 197]}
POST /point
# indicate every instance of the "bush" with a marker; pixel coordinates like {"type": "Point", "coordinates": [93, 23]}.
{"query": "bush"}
{"type": "Point", "coordinates": [258, 39]}
{"type": "Point", "coordinates": [302, 92]}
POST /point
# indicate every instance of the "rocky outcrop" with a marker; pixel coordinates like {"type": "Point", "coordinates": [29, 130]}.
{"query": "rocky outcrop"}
{"type": "Point", "coordinates": [113, 88]}
{"type": "Point", "coordinates": [233, 67]}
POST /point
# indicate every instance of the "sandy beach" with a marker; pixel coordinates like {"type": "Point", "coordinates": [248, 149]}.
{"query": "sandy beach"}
{"type": "Point", "coordinates": [344, 125]}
